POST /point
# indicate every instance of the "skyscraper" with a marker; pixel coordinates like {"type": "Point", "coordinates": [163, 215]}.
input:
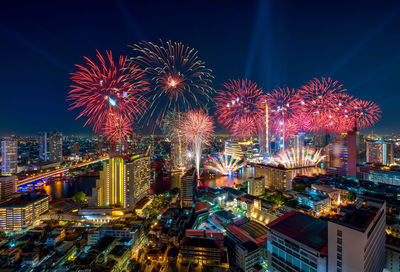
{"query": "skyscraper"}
{"type": "Point", "coordinates": [137, 180]}
{"type": "Point", "coordinates": [188, 185]}
{"type": "Point", "coordinates": [8, 186]}
{"type": "Point", "coordinates": [9, 153]}
{"type": "Point", "coordinates": [111, 185]}
{"type": "Point", "coordinates": [51, 146]}
{"type": "Point", "coordinates": [123, 182]}
{"type": "Point", "coordinates": [380, 152]}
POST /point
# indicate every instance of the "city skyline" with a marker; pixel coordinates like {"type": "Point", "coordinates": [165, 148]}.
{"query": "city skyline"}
{"type": "Point", "coordinates": [274, 51]}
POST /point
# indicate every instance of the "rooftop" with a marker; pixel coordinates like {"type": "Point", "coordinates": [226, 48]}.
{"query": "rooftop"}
{"type": "Point", "coordinates": [200, 242]}
{"type": "Point", "coordinates": [23, 200]}
{"type": "Point", "coordinates": [304, 229]}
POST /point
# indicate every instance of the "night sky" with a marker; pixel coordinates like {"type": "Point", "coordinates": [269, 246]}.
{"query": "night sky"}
{"type": "Point", "coordinates": [275, 43]}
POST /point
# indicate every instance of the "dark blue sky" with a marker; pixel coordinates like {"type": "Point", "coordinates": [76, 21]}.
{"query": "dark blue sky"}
{"type": "Point", "coordinates": [275, 43]}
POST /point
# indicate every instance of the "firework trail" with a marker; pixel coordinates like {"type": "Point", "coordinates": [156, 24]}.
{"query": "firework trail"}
{"type": "Point", "coordinates": [366, 113]}
{"type": "Point", "coordinates": [179, 80]}
{"type": "Point", "coordinates": [102, 86]}
{"type": "Point", "coordinates": [197, 128]}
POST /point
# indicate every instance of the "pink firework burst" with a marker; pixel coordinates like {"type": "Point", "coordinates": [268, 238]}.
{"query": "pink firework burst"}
{"type": "Point", "coordinates": [244, 127]}
{"type": "Point", "coordinates": [242, 100]}
{"type": "Point", "coordinates": [317, 99]}
{"type": "Point", "coordinates": [117, 128]}
{"type": "Point", "coordinates": [103, 86]}
{"type": "Point", "coordinates": [366, 113]}
{"type": "Point", "coordinates": [284, 109]}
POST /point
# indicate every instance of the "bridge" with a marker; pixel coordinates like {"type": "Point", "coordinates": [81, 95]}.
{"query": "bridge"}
{"type": "Point", "coordinates": [23, 182]}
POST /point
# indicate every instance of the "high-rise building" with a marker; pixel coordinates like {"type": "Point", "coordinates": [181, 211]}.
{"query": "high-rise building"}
{"type": "Point", "coordinates": [75, 149]}
{"type": "Point", "coordinates": [256, 186]}
{"type": "Point", "coordinates": [51, 146]}
{"type": "Point", "coordinates": [19, 214]}
{"type": "Point", "coordinates": [138, 180]}
{"type": "Point", "coordinates": [8, 186]}
{"type": "Point", "coordinates": [187, 186]}
{"type": "Point", "coordinates": [356, 238]}
{"type": "Point", "coordinates": [111, 186]}
{"type": "Point", "coordinates": [380, 152]}
{"type": "Point", "coordinates": [343, 154]}
{"type": "Point", "coordinates": [234, 150]}
{"type": "Point", "coordinates": [297, 242]}
{"type": "Point", "coordinates": [123, 182]}
{"type": "Point", "coordinates": [9, 153]}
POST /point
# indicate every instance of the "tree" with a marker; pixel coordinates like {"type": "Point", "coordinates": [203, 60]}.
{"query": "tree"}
{"type": "Point", "coordinates": [350, 196]}
{"type": "Point", "coordinates": [80, 197]}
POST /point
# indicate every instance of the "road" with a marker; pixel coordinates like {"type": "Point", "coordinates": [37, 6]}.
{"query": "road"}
{"type": "Point", "coordinates": [58, 171]}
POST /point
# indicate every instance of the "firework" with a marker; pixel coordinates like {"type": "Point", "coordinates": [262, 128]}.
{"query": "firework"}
{"type": "Point", "coordinates": [241, 101]}
{"type": "Point", "coordinates": [179, 79]}
{"type": "Point", "coordinates": [318, 100]}
{"type": "Point", "coordinates": [172, 122]}
{"type": "Point", "coordinates": [298, 157]}
{"type": "Point", "coordinates": [284, 108]}
{"type": "Point", "coordinates": [104, 87]}
{"type": "Point", "coordinates": [244, 127]}
{"type": "Point", "coordinates": [197, 128]}
{"type": "Point", "coordinates": [225, 165]}
{"type": "Point", "coordinates": [117, 128]}
{"type": "Point", "coordinates": [366, 113]}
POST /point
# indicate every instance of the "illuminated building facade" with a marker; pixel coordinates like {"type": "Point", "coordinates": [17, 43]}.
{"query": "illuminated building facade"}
{"type": "Point", "coordinates": [316, 201]}
{"type": "Point", "coordinates": [343, 154]}
{"type": "Point", "coordinates": [123, 182]}
{"type": "Point", "coordinates": [380, 152]}
{"type": "Point", "coordinates": [9, 154]}
{"type": "Point", "coordinates": [137, 180]}
{"type": "Point", "coordinates": [256, 186]}
{"type": "Point", "coordinates": [51, 146]}
{"type": "Point", "coordinates": [356, 239]}
{"type": "Point", "coordinates": [19, 214]}
{"type": "Point", "coordinates": [276, 178]}
{"type": "Point", "coordinates": [187, 187]}
{"type": "Point", "coordinates": [8, 186]}
{"type": "Point", "coordinates": [383, 176]}
{"type": "Point", "coordinates": [234, 150]}
{"type": "Point", "coordinates": [297, 242]}
{"type": "Point", "coordinates": [111, 186]}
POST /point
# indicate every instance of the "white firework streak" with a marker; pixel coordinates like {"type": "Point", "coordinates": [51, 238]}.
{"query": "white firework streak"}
{"type": "Point", "coordinates": [225, 165]}
{"type": "Point", "coordinates": [298, 157]}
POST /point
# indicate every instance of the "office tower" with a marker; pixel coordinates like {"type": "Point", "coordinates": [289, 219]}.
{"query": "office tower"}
{"type": "Point", "coordinates": [111, 186]}
{"type": "Point", "coordinates": [137, 180]}
{"type": "Point", "coordinates": [9, 153]}
{"type": "Point", "coordinates": [19, 214]}
{"type": "Point", "coordinates": [256, 186]}
{"type": "Point", "coordinates": [299, 140]}
{"type": "Point", "coordinates": [75, 149]}
{"type": "Point", "coordinates": [356, 238]}
{"type": "Point", "coordinates": [361, 149]}
{"type": "Point", "coordinates": [43, 147]}
{"type": "Point", "coordinates": [8, 186]}
{"type": "Point", "coordinates": [51, 146]}
{"type": "Point", "coordinates": [343, 154]}
{"type": "Point", "coordinates": [380, 152]}
{"type": "Point", "coordinates": [123, 182]}
{"type": "Point", "coordinates": [188, 185]}
{"type": "Point", "coordinates": [297, 242]}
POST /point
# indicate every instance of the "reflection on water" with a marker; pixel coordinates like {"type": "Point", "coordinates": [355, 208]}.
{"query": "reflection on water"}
{"type": "Point", "coordinates": [230, 181]}
{"type": "Point", "coordinates": [61, 188]}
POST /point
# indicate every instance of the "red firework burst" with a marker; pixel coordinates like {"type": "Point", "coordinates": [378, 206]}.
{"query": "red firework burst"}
{"type": "Point", "coordinates": [318, 98]}
{"type": "Point", "coordinates": [197, 126]}
{"type": "Point", "coordinates": [179, 79]}
{"type": "Point", "coordinates": [117, 128]}
{"type": "Point", "coordinates": [242, 100]}
{"type": "Point", "coordinates": [366, 113]}
{"type": "Point", "coordinates": [106, 86]}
